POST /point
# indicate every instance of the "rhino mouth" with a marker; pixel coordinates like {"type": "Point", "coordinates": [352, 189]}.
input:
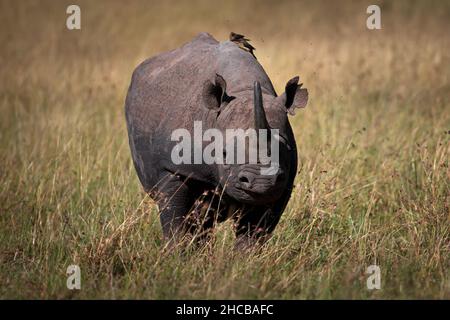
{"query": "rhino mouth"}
{"type": "Point", "coordinates": [249, 186]}
{"type": "Point", "coordinates": [254, 197]}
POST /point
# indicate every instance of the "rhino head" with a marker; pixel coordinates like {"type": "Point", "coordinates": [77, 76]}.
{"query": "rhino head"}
{"type": "Point", "coordinates": [254, 181]}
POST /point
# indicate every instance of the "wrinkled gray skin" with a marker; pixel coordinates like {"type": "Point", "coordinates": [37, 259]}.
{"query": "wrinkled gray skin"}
{"type": "Point", "coordinates": [212, 82]}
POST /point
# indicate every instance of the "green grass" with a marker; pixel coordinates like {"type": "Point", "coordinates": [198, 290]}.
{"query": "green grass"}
{"type": "Point", "coordinates": [373, 184]}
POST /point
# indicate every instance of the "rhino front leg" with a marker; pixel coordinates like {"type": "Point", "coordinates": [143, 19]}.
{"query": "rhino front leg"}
{"type": "Point", "coordinates": [254, 228]}
{"type": "Point", "coordinates": [174, 201]}
{"type": "Point", "coordinates": [256, 225]}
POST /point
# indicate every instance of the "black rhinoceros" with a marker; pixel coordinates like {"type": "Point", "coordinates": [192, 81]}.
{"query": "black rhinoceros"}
{"type": "Point", "coordinates": [221, 87]}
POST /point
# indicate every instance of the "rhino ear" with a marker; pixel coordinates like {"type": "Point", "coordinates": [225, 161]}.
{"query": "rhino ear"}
{"type": "Point", "coordinates": [294, 96]}
{"type": "Point", "coordinates": [214, 93]}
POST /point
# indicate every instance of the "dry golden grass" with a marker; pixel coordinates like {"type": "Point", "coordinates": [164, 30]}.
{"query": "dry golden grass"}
{"type": "Point", "coordinates": [374, 178]}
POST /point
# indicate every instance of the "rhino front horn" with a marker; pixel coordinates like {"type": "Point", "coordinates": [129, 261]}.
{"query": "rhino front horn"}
{"type": "Point", "coordinates": [260, 116]}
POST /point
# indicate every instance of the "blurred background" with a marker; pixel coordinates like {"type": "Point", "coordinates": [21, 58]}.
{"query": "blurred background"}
{"type": "Point", "coordinates": [373, 143]}
{"type": "Point", "coordinates": [325, 42]}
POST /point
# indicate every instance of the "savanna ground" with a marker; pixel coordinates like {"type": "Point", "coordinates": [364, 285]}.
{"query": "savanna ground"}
{"type": "Point", "coordinates": [373, 143]}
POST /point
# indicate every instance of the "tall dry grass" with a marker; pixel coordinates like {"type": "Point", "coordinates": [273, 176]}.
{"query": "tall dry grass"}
{"type": "Point", "coordinates": [373, 182]}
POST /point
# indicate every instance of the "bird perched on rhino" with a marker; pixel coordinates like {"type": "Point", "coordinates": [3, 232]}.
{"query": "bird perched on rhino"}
{"type": "Point", "coordinates": [242, 42]}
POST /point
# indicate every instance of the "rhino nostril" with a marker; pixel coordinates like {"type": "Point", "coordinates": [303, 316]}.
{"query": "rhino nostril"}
{"type": "Point", "coordinates": [243, 179]}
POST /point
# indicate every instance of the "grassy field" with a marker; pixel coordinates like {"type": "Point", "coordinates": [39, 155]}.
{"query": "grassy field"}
{"type": "Point", "coordinates": [374, 179]}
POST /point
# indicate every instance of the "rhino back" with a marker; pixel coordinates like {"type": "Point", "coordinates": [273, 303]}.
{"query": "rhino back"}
{"type": "Point", "coordinates": [240, 69]}
{"type": "Point", "coordinates": [164, 88]}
